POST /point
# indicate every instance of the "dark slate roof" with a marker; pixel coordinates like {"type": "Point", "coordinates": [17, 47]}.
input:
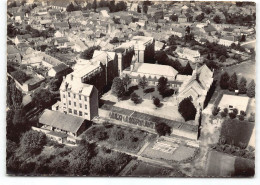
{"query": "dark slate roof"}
{"type": "Point", "coordinates": [61, 121]}
{"type": "Point", "coordinates": [60, 67]}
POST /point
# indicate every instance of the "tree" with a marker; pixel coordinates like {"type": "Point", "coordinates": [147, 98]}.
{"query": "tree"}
{"type": "Point", "coordinates": [222, 59]}
{"type": "Point", "coordinates": [126, 81]}
{"type": "Point", "coordinates": [162, 129]}
{"type": "Point", "coordinates": [174, 17]}
{"type": "Point", "coordinates": [94, 5]}
{"type": "Point", "coordinates": [232, 115]}
{"type": "Point", "coordinates": [88, 53]}
{"type": "Point", "coordinates": [215, 111]}
{"type": "Point", "coordinates": [187, 70]}
{"type": "Point", "coordinates": [162, 84]}
{"type": "Point", "coordinates": [224, 80]}
{"type": "Point", "coordinates": [223, 114]}
{"type": "Point", "coordinates": [145, 9]}
{"type": "Point", "coordinates": [157, 102]}
{"type": "Point", "coordinates": [54, 84]}
{"type": "Point", "coordinates": [118, 87]}
{"type": "Point", "coordinates": [235, 111]}
{"type": "Point", "coordinates": [171, 40]}
{"type": "Point", "coordinates": [200, 17]}
{"type": "Point", "coordinates": [32, 142]}
{"type": "Point", "coordinates": [70, 8]}
{"type": "Point", "coordinates": [42, 98]}
{"type": "Point", "coordinates": [251, 89]}
{"type": "Point", "coordinates": [187, 30]}
{"type": "Point", "coordinates": [121, 6]}
{"type": "Point", "coordinates": [161, 57]}
{"type": "Point", "coordinates": [12, 31]}
{"type": "Point", "coordinates": [114, 40]}
{"type": "Point", "coordinates": [217, 19]}
{"type": "Point", "coordinates": [135, 98]}
{"type": "Point", "coordinates": [242, 86]}
{"type": "Point", "coordinates": [112, 6]}
{"type": "Point", "coordinates": [187, 109]}
{"type": "Point", "coordinates": [139, 10]}
{"type": "Point", "coordinates": [243, 38]}
{"type": "Point", "coordinates": [233, 82]}
{"type": "Point", "coordinates": [143, 83]}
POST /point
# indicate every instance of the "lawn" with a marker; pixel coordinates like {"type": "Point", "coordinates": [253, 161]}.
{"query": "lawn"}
{"type": "Point", "coordinates": [223, 165]}
{"type": "Point", "coordinates": [246, 69]}
{"type": "Point", "coordinates": [237, 131]}
{"type": "Point", "coordinates": [169, 151]}
{"type": "Point", "coordinates": [128, 139]}
{"type": "Point", "coordinates": [148, 170]}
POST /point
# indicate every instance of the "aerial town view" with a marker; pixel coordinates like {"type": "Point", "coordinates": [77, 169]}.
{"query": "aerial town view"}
{"type": "Point", "coordinates": [130, 88]}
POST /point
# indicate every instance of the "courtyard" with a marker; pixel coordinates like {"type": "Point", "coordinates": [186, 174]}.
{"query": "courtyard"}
{"type": "Point", "coordinates": [168, 108]}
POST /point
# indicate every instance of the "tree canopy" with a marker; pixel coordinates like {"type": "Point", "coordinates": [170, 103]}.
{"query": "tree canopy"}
{"type": "Point", "coordinates": [88, 53]}
{"type": "Point", "coordinates": [242, 86]}
{"type": "Point", "coordinates": [251, 89]}
{"type": "Point", "coordinates": [224, 80]}
{"type": "Point", "coordinates": [233, 82]}
{"type": "Point", "coordinates": [118, 88]}
{"type": "Point", "coordinates": [162, 129]}
{"type": "Point", "coordinates": [187, 109]}
{"type": "Point", "coordinates": [143, 83]}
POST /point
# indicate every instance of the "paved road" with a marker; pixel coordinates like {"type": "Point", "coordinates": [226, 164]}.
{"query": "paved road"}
{"type": "Point", "coordinates": [249, 42]}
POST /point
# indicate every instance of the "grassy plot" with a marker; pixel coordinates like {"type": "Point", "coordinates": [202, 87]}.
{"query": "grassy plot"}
{"type": "Point", "coordinates": [223, 165]}
{"type": "Point", "coordinates": [148, 170]}
{"type": "Point", "coordinates": [237, 131]}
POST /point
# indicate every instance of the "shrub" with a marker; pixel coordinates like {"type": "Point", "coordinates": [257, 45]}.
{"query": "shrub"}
{"type": "Point", "coordinates": [252, 117]}
{"type": "Point", "coordinates": [232, 115]}
{"type": "Point", "coordinates": [101, 135]}
{"type": "Point", "coordinates": [157, 102]}
{"type": "Point", "coordinates": [235, 111]}
{"type": "Point", "coordinates": [162, 129]}
{"type": "Point", "coordinates": [241, 117]}
{"type": "Point", "coordinates": [167, 93]}
{"type": "Point", "coordinates": [149, 90]}
{"type": "Point", "coordinates": [226, 110]}
{"type": "Point", "coordinates": [119, 134]}
{"type": "Point", "coordinates": [215, 111]}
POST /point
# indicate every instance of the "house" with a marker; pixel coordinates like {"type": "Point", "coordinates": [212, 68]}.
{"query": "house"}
{"type": "Point", "coordinates": [186, 53]}
{"type": "Point", "coordinates": [13, 54]}
{"type": "Point", "coordinates": [60, 4]}
{"type": "Point", "coordinates": [234, 102]}
{"type": "Point", "coordinates": [77, 98]}
{"type": "Point", "coordinates": [62, 42]}
{"type": "Point", "coordinates": [19, 17]}
{"type": "Point", "coordinates": [61, 26]}
{"type": "Point", "coordinates": [227, 40]}
{"type": "Point", "coordinates": [178, 31]}
{"type": "Point", "coordinates": [59, 70]}
{"type": "Point", "coordinates": [21, 38]}
{"type": "Point", "coordinates": [62, 127]}
{"type": "Point", "coordinates": [186, 17]}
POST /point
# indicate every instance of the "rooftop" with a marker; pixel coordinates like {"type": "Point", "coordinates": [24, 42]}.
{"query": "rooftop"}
{"type": "Point", "coordinates": [61, 121]}
{"type": "Point", "coordinates": [239, 102]}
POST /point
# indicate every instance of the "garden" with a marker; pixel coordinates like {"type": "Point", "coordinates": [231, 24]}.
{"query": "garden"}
{"type": "Point", "coordinates": [170, 151]}
{"type": "Point", "coordinates": [119, 137]}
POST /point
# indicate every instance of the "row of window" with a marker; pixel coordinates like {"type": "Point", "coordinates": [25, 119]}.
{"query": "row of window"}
{"type": "Point", "coordinates": [76, 112]}
{"type": "Point", "coordinates": [74, 96]}
{"type": "Point", "coordinates": [80, 105]}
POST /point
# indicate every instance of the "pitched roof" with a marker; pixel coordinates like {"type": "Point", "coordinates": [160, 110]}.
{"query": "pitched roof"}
{"type": "Point", "coordinates": [103, 55]}
{"type": "Point", "coordinates": [61, 24]}
{"type": "Point", "coordinates": [61, 3]}
{"type": "Point", "coordinates": [60, 120]}
{"type": "Point", "coordinates": [12, 50]}
{"type": "Point", "coordinates": [60, 67]}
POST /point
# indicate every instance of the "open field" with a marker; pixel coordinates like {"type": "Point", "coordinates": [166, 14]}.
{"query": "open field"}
{"type": "Point", "coordinates": [246, 69]}
{"type": "Point", "coordinates": [223, 165]}
{"type": "Point", "coordinates": [237, 131]}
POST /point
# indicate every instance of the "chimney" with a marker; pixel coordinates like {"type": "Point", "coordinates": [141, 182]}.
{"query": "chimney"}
{"type": "Point", "coordinates": [120, 64]}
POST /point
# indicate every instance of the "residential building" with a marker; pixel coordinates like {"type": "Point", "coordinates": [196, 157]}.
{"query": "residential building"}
{"type": "Point", "coordinates": [186, 53]}
{"type": "Point", "coordinates": [77, 98]}
{"type": "Point", "coordinates": [13, 54]}
{"type": "Point", "coordinates": [227, 40]}
{"type": "Point", "coordinates": [61, 127]}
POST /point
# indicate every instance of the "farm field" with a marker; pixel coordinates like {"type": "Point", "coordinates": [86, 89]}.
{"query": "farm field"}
{"type": "Point", "coordinates": [237, 131]}
{"type": "Point", "coordinates": [148, 170]}
{"type": "Point", "coordinates": [168, 151]}
{"type": "Point", "coordinates": [223, 165]}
